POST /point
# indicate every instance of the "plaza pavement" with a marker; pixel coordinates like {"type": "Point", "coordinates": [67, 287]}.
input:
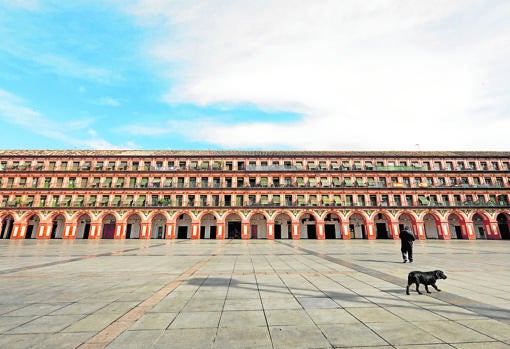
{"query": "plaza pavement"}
{"type": "Point", "coordinates": [251, 294]}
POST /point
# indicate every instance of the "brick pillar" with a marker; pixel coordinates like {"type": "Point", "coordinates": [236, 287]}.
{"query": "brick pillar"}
{"type": "Point", "coordinates": [220, 231]}
{"type": "Point", "coordinates": [44, 230]}
{"type": "Point", "coordinates": [19, 230]}
{"type": "Point", "coordinates": [444, 230]}
{"type": "Point", "coordinates": [95, 230]}
{"type": "Point", "coordinates": [145, 230]}
{"type": "Point", "coordinates": [394, 230]}
{"type": "Point", "coordinates": [345, 230]}
{"type": "Point", "coordinates": [170, 230]}
{"type": "Point", "coordinates": [70, 230]}
{"type": "Point", "coordinates": [195, 231]}
{"type": "Point", "coordinates": [245, 230]}
{"type": "Point", "coordinates": [270, 230]}
{"type": "Point", "coordinates": [371, 231]}
{"type": "Point", "coordinates": [420, 230]}
{"type": "Point", "coordinates": [295, 230]}
{"type": "Point", "coordinates": [492, 230]}
{"type": "Point", "coordinates": [319, 226]}
{"type": "Point", "coordinates": [470, 230]}
{"type": "Point", "coordinates": [120, 230]}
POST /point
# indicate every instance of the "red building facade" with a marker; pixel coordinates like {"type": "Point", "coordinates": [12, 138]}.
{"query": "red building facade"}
{"type": "Point", "coordinates": [253, 194]}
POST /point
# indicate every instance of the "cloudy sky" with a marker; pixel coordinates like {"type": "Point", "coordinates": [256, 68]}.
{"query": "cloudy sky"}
{"type": "Point", "coordinates": [265, 74]}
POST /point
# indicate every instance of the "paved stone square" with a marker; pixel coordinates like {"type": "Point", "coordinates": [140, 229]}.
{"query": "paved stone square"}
{"type": "Point", "coordinates": [251, 294]}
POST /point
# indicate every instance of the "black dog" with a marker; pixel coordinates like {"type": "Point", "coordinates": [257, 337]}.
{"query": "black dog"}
{"type": "Point", "coordinates": [424, 277]}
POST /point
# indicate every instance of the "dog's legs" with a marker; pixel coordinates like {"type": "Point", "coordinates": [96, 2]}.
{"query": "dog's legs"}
{"type": "Point", "coordinates": [407, 289]}
{"type": "Point", "coordinates": [437, 289]}
{"type": "Point", "coordinates": [417, 285]}
{"type": "Point", "coordinates": [427, 288]}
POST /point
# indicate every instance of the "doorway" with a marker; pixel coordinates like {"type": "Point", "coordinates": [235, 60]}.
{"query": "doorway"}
{"type": "Point", "coordinates": [182, 232]}
{"type": "Point", "coordinates": [382, 230]}
{"type": "Point", "coordinates": [311, 231]}
{"type": "Point", "coordinates": [277, 231]}
{"type": "Point", "coordinates": [234, 230]}
{"type": "Point", "coordinates": [330, 231]}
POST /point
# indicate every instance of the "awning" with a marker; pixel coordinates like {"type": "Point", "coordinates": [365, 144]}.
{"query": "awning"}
{"type": "Point", "coordinates": [105, 199]}
{"type": "Point", "coordinates": [300, 200]}
{"type": "Point", "coordinates": [423, 200]}
{"type": "Point", "coordinates": [300, 181]}
{"type": "Point", "coordinates": [337, 199]}
{"type": "Point", "coordinates": [348, 182]}
{"type": "Point", "coordinates": [120, 182]}
{"type": "Point", "coordinates": [205, 165]}
{"type": "Point", "coordinates": [276, 199]}
{"type": "Point", "coordinates": [311, 166]}
{"type": "Point", "coordinates": [313, 200]}
{"type": "Point", "coordinates": [95, 181]}
{"type": "Point", "coordinates": [168, 182]}
{"type": "Point", "coordinates": [263, 181]}
{"type": "Point", "coordinates": [334, 166]}
{"type": "Point", "coordinates": [108, 182]}
{"type": "Point", "coordinates": [371, 181]}
{"type": "Point", "coordinates": [144, 182]}
{"type": "Point", "coordinates": [92, 200]}
{"type": "Point", "coordinates": [360, 182]}
{"type": "Point", "coordinates": [336, 182]}
{"type": "Point", "coordinates": [311, 181]}
{"type": "Point", "coordinates": [128, 201]}
{"type": "Point", "coordinates": [216, 165]}
{"type": "Point", "coordinates": [116, 200]}
{"type": "Point", "coordinates": [193, 165]}
{"type": "Point", "coordinates": [324, 182]}
{"type": "Point", "coordinates": [66, 199]}
{"type": "Point", "coordinates": [322, 165]}
{"type": "Point", "coordinates": [345, 164]}
{"type": "Point", "coordinates": [239, 200]}
{"type": "Point", "coordinates": [325, 200]}
{"type": "Point", "coordinates": [140, 201]}
{"type": "Point", "coordinates": [78, 201]}
{"type": "Point", "coordinates": [263, 199]}
{"type": "Point", "coordinates": [299, 165]}
{"type": "Point", "coordinates": [30, 199]}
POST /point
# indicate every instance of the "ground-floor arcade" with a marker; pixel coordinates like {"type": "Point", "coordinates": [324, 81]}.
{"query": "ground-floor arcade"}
{"type": "Point", "coordinates": [254, 224]}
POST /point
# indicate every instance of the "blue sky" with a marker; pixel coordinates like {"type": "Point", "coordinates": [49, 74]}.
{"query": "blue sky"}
{"type": "Point", "coordinates": [285, 74]}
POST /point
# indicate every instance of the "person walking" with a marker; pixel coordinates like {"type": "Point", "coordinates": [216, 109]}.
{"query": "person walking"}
{"type": "Point", "coordinates": [406, 240]}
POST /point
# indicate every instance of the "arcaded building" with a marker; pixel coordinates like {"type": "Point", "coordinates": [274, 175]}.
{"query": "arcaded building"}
{"type": "Point", "coordinates": [253, 194]}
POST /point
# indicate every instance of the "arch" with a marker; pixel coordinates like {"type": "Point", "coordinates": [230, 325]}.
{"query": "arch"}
{"type": "Point", "coordinates": [432, 225]}
{"type": "Point", "coordinates": [308, 225]}
{"type": "Point", "coordinates": [255, 212]}
{"type": "Point", "coordinates": [503, 225]}
{"type": "Point", "coordinates": [83, 226]}
{"type": "Point", "coordinates": [233, 224]}
{"type": "Point", "coordinates": [282, 226]}
{"type": "Point", "coordinates": [153, 214]}
{"type": "Point", "coordinates": [7, 226]}
{"type": "Point", "coordinates": [480, 221]}
{"type": "Point", "coordinates": [382, 223]}
{"type": "Point", "coordinates": [332, 226]}
{"type": "Point", "coordinates": [208, 212]}
{"type": "Point", "coordinates": [457, 226]}
{"type": "Point", "coordinates": [133, 226]}
{"type": "Point", "coordinates": [108, 226]}
{"type": "Point", "coordinates": [407, 220]}
{"type": "Point", "coordinates": [183, 226]}
{"type": "Point", "coordinates": [208, 226]}
{"type": "Point", "coordinates": [258, 225]}
{"type": "Point", "coordinates": [158, 226]}
{"type": "Point", "coordinates": [57, 226]}
{"type": "Point", "coordinates": [358, 226]}
{"type": "Point", "coordinates": [33, 222]}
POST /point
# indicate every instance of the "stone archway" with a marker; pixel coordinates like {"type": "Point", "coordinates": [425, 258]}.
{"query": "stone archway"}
{"type": "Point", "coordinates": [7, 227]}
{"type": "Point", "coordinates": [57, 226]}
{"type": "Point", "coordinates": [382, 224]}
{"type": "Point", "coordinates": [432, 225]}
{"type": "Point", "coordinates": [405, 220]}
{"type": "Point", "coordinates": [332, 226]}
{"type": "Point", "coordinates": [282, 226]}
{"type": "Point", "coordinates": [158, 227]}
{"type": "Point", "coordinates": [183, 226]}
{"type": "Point", "coordinates": [233, 226]}
{"type": "Point", "coordinates": [32, 226]}
{"type": "Point", "coordinates": [258, 226]}
{"type": "Point", "coordinates": [108, 228]}
{"type": "Point", "coordinates": [83, 228]}
{"type": "Point", "coordinates": [357, 227]}
{"type": "Point", "coordinates": [208, 227]}
{"type": "Point", "coordinates": [479, 223]}
{"type": "Point", "coordinates": [133, 226]}
{"type": "Point", "coordinates": [503, 226]}
{"type": "Point", "coordinates": [456, 226]}
{"type": "Point", "coordinates": [308, 226]}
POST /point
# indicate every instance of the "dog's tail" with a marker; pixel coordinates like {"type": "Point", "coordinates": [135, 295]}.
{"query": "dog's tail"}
{"type": "Point", "coordinates": [411, 278]}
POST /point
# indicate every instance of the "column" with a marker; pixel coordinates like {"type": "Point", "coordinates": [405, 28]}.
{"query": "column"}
{"type": "Point", "coordinates": [170, 230]}
{"type": "Point", "coordinates": [44, 230]}
{"type": "Point", "coordinates": [470, 230]}
{"type": "Point", "coordinates": [18, 230]}
{"type": "Point", "coordinates": [295, 230]}
{"type": "Point", "coordinates": [95, 230]}
{"type": "Point", "coordinates": [420, 230]}
{"type": "Point", "coordinates": [345, 230]}
{"type": "Point", "coordinates": [145, 230]}
{"type": "Point", "coordinates": [270, 230]}
{"type": "Point", "coordinates": [70, 230]}
{"type": "Point", "coordinates": [319, 226]}
{"type": "Point", "coordinates": [371, 231]}
{"type": "Point", "coordinates": [220, 231]}
{"type": "Point", "coordinates": [245, 230]}
{"type": "Point", "coordinates": [444, 230]}
{"type": "Point", "coordinates": [195, 230]}
{"type": "Point", "coordinates": [493, 230]}
{"type": "Point", "coordinates": [120, 230]}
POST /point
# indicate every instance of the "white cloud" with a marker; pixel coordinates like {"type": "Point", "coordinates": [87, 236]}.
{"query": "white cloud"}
{"type": "Point", "coordinates": [364, 74]}
{"type": "Point", "coordinates": [14, 110]}
{"type": "Point", "coordinates": [108, 101]}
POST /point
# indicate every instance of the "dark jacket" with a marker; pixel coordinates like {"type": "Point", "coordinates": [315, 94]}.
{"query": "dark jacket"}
{"type": "Point", "coordinates": [406, 239]}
